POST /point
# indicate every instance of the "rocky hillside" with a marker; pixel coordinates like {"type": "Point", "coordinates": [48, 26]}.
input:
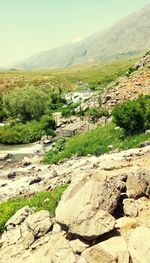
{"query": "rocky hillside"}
{"type": "Point", "coordinates": [128, 87]}
{"type": "Point", "coordinates": [129, 36]}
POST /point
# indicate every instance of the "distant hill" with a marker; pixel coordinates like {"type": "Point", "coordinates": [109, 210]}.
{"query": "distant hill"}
{"type": "Point", "coordinates": [128, 37]}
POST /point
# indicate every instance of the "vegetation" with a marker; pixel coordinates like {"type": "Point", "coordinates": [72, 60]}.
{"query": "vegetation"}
{"type": "Point", "coordinates": [133, 116]}
{"type": "Point", "coordinates": [2, 113]}
{"type": "Point", "coordinates": [95, 142]}
{"type": "Point", "coordinates": [95, 114]}
{"type": "Point", "coordinates": [69, 110]}
{"type": "Point", "coordinates": [95, 74]}
{"type": "Point", "coordinates": [26, 104]}
{"type": "Point", "coordinates": [32, 131]}
{"type": "Point", "coordinates": [28, 98]}
{"type": "Point", "coordinates": [130, 71]}
{"type": "Point", "coordinates": [10, 207]}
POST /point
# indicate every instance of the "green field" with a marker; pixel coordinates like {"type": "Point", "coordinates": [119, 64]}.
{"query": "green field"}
{"type": "Point", "coordinates": [95, 74]}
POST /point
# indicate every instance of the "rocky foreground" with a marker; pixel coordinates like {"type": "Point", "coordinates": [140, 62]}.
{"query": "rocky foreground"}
{"type": "Point", "coordinates": [103, 216]}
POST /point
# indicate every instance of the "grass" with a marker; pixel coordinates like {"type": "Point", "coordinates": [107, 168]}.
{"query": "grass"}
{"type": "Point", "coordinates": [10, 207]}
{"type": "Point", "coordinates": [95, 142]}
{"type": "Point", "coordinates": [95, 74]}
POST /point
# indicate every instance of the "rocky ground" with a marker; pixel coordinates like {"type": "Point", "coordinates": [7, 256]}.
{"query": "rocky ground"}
{"type": "Point", "coordinates": [103, 216]}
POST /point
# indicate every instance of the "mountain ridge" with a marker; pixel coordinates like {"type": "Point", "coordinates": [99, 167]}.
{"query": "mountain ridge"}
{"type": "Point", "coordinates": [130, 36]}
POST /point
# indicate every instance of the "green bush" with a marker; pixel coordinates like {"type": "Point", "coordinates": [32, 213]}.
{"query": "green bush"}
{"type": "Point", "coordinates": [95, 114]}
{"type": "Point", "coordinates": [2, 112]}
{"type": "Point", "coordinates": [57, 101]}
{"type": "Point", "coordinates": [25, 133]}
{"type": "Point", "coordinates": [130, 71]}
{"type": "Point", "coordinates": [134, 115]}
{"type": "Point", "coordinates": [10, 207]}
{"type": "Point", "coordinates": [28, 103]}
{"type": "Point", "coordinates": [69, 110]}
{"type": "Point", "coordinates": [47, 124]}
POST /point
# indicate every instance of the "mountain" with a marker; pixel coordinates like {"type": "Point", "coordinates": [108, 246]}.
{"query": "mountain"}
{"type": "Point", "coordinates": [130, 36]}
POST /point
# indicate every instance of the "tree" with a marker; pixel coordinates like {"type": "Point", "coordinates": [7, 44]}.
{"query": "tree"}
{"type": "Point", "coordinates": [27, 104]}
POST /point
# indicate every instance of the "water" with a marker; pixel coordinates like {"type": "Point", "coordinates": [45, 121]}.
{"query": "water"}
{"type": "Point", "coordinates": [81, 95]}
{"type": "Point", "coordinates": [21, 150]}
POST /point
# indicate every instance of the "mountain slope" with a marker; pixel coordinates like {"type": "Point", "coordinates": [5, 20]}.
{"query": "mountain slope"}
{"type": "Point", "coordinates": [128, 37]}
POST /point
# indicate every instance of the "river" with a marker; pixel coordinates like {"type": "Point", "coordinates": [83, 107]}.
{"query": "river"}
{"type": "Point", "coordinates": [19, 151]}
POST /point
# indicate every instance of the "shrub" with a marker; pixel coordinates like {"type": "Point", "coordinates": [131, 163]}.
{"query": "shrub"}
{"type": "Point", "coordinates": [95, 114]}
{"type": "Point", "coordinates": [133, 116]}
{"type": "Point", "coordinates": [25, 133]}
{"type": "Point", "coordinates": [130, 71]}
{"type": "Point", "coordinates": [27, 103]}
{"type": "Point", "coordinates": [2, 113]}
{"type": "Point", "coordinates": [57, 101]}
{"type": "Point", "coordinates": [69, 110]}
{"type": "Point", "coordinates": [48, 124]}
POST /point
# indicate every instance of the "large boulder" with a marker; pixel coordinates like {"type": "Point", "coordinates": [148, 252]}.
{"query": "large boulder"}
{"type": "Point", "coordinates": [113, 250]}
{"type": "Point", "coordinates": [138, 183]}
{"type": "Point", "coordinates": [139, 245]}
{"type": "Point", "coordinates": [87, 206]}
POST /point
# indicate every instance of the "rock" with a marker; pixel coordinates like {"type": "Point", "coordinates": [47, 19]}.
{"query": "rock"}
{"type": "Point", "coordinates": [86, 207]}
{"type": "Point", "coordinates": [3, 185]}
{"type": "Point", "coordinates": [26, 161]}
{"type": "Point", "coordinates": [78, 246]}
{"type": "Point", "coordinates": [139, 245]}
{"type": "Point", "coordinates": [19, 217]}
{"type": "Point", "coordinates": [117, 128]}
{"type": "Point", "coordinates": [110, 147]}
{"type": "Point", "coordinates": [126, 222]}
{"type": "Point", "coordinates": [4, 156]}
{"type": "Point", "coordinates": [130, 207]}
{"type": "Point", "coordinates": [27, 236]}
{"type": "Point", "coordinates": [47, 141]}
{"type": "Point", "coordinates": [56, 228]}
{"type": "Point", "coordinates": [138, 183]}
{"type": "Point", "coordinates": [11, 175]}
{"type": "Point", "coordinates": [147, 132]}
{"type": "Point", "coordinates": [144, 144]}
{"type": "Point", "coordinates": [39, 223]}
{"type": "Point", "coordinates": [113, 250]}
{"type": "Point", "coordinates": [35, 180]}
{"type": "Point", "coordinates": [81, 260]}
{"type": "Point", "coordinates": [121, 186]}
{"type": "Point", "coordinates": [56, 250]}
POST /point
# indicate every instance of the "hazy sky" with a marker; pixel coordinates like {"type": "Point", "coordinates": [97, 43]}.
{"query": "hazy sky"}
{"type": "Point", "coordinates": [31, 26]}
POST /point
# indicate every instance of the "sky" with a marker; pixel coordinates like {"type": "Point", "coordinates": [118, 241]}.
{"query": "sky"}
{"type": "Point", "coordinates": [31, 26]}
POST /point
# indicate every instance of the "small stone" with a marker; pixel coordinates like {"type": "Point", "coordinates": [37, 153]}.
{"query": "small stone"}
{"type": "Point", "coordinates": [144, 144]}
{"type": "Point", "coordinates": [35, 180]}
{"type": "Point", "coordinates": [11, 175]}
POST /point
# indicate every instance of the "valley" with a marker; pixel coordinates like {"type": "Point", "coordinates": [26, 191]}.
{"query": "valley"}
{"type": "Point", "coordinates": [75, 151]}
